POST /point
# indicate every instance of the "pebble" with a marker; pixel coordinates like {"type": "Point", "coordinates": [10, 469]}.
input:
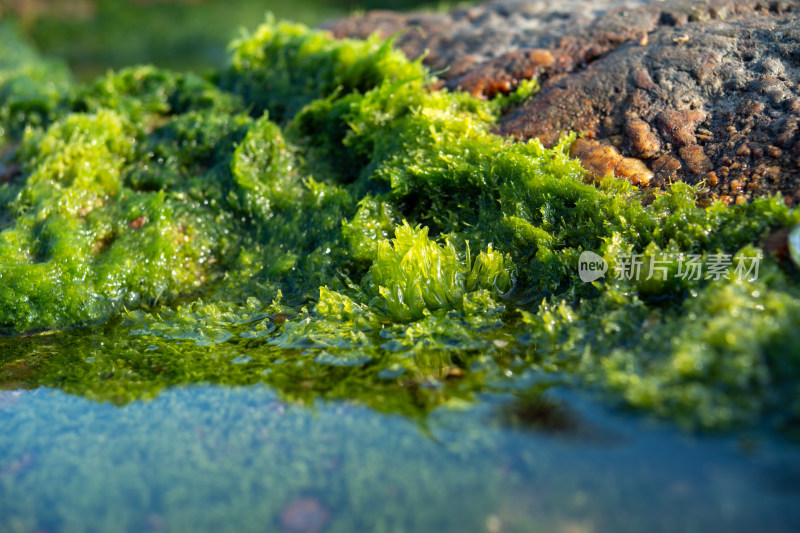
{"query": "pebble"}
{"type": "Point", "coordinates": [306, 515]}
{"type": "Point", "coordinates": [644, 141]}
{"type": "Point", "coordinates": [602, 160]}
{"type": "Point", "coordinates": [695, 159]}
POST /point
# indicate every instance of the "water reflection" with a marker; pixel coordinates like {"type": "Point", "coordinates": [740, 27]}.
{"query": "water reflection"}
{"type": "Point", "coordinates": [108, 431]}
{"type": "Point", "coordinates": [214, 458]}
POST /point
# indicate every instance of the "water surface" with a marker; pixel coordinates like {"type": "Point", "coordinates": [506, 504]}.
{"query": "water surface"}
{"type": "Point", "coordinates": [216, 458]}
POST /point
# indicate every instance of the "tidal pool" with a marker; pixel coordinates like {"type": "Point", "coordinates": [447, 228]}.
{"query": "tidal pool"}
{"type": "Point", "coordinates": [212, 458]}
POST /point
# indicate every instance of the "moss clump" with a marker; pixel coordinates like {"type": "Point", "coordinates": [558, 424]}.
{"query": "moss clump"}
{"type": "Point", "coordinates": [723, 356]}
{"type": "Point", "coordinates": [414, 275]}
{"type": "Point", "coordinates": [31, 87]}
{"type": "Point", "coordinates": [96, 227]}
{"type": "Point", "coordinates": [283, 67]}
{"type": "Point", "coordinates": [292, 172]}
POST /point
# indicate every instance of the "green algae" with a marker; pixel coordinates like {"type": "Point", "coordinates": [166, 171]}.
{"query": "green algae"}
{"type": "Point", "coordinates": [31, 86]}
{"type": "Point", "coordinates": [95, 35]}
{"type": "Point", "coordinates": [393, 233]}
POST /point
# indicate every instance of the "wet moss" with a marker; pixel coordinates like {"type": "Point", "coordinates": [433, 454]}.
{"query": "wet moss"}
{"type": "Point", "coordinates": [32, 87]}
{"type": "Point", "coordinates": [399, 241]}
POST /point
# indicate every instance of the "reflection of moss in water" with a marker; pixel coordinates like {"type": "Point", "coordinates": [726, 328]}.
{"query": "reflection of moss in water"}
{"type": "Point", "coordinates": [123, 363]}
{"type": "Point", "coordinates": [242, 456]}
{"type": "Point", "coordinates": [292, 172]}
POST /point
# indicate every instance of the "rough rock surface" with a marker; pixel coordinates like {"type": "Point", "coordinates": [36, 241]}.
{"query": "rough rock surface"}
{"type": "Point", "coordinates": [698, 91]}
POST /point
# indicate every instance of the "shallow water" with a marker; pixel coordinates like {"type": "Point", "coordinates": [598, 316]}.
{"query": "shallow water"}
{"type": "Point", "coordinates": [215, 458]}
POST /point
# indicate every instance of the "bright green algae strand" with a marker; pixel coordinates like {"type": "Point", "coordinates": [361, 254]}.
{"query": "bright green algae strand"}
{"type": "Point", "coordinates": [317, 217]}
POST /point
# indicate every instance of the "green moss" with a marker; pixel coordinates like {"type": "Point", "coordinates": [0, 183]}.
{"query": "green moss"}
{"type": "Point", "coordinates": [330, 173]}
{"type": "Point", "coordinates": [31, 88]}
{"type": "Point", "coordinates": [143, 91]}
{"type": "Point", "coordinates": [96, 35]}
{"type": "Point", "coordinates": [283, 67]}
{"type": "Point", "coordinates": [725, 356]}
{"type": "Point", "coordinates": [413, 276]}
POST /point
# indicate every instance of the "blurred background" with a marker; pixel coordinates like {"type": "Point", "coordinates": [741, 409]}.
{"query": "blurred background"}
{"type": "Point", "coordinates": [95, 35]}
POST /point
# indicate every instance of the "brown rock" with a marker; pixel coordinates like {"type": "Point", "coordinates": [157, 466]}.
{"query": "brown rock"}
{"type": "Point", "coordinates": [750, 107]}
{"type": "Point", "coordinates": [667, 169]}
{"type": "Point", "coordinates": [634, 170]}
{"type": "Point", "coordinates": [137, 222]}
{"type": "Point", "coordinates": [645, 143]}
{"type": "Point", "coordinates": [667, 163]}
{"type": "Point", "coordinates": [743, 150]}
{"type": "Point", "coordinates": [774, 152]}
{"type": "Point", "coordinates": [599, 159]}
{"type": "Point", "coordinates": [541, 58]}
{"type": "Point", "coordinates": [777, 243]}
{"type": "Point", "coordinates": [678, 126]}
{"type": "Point", "coordinates": [602, 160]}
{"type": "Point", "coordinates": [643, 80]}
{"type": "Point", "coordinates": [503, 74]}
{"type": "Point", "coordinates": [733, 59]}
{"type": "Point", "coordinates": [695, 159]}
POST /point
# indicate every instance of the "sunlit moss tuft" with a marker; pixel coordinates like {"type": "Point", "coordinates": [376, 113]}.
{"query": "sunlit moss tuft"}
{"type": "Point", "coordinates": [413, 275]}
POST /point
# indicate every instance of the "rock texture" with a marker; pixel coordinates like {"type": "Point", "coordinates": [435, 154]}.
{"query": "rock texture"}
{"type": "Point", "coordinates": [660, 90]}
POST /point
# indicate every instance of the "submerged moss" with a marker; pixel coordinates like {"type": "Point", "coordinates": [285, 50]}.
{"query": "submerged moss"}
{"type": "Point", "coordinates": [394, 234]}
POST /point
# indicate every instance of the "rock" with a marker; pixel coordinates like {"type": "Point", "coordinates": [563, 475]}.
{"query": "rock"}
{"type": "Point", "coordinates": [602, 160]}
{"type": "Point", "coordinates": [695, 159]}
{"type": "Point", "coordinates": [644, 142]}
{"type": "Point", "coordinates": [777, 243]}
{"type": "Point", "coordinates": [137, 222]}
{"type": "Point", "coordinates": [678, 127]}
{"type": "Point", "coordinates": [503, 74]}
{"type": "Point", "coordinates": [691, 87]}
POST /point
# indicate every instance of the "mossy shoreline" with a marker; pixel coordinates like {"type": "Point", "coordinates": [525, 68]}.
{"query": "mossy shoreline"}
{"type": "Point", "coordinates": [317, 202]}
